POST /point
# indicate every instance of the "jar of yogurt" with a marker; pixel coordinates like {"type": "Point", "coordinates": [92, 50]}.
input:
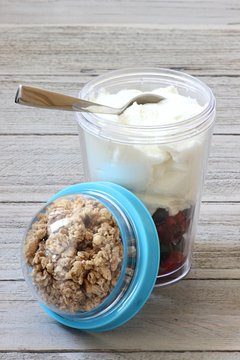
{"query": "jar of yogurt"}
{"type": "Point", "coordinates": [157, 151]}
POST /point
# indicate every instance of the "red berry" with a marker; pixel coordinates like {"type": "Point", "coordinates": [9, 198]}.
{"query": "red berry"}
{"type": "Point", "coordinates": [170, 231]}
{"type": "Point", "coordinates": [175, 259]}
{"type": "Point", "coordinates": [182, 221]}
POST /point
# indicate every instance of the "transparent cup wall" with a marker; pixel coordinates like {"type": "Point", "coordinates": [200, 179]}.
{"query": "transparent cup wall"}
{"type": "Point", "coordinates": [165, 172]}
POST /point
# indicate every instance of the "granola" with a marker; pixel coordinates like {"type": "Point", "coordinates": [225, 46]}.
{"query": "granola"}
{"type": "Point", "coordinates": [75, 252]}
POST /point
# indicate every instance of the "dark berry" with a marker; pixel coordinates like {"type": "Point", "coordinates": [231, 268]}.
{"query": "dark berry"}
{"type": "Point", "coordinates": [160, 216]}
{"type": "Point", "coordinates": [171, 230]}
{"type": "Point", "coordinates": [174, 261]}
{"type": "Point", "coordinates": [166, 250]}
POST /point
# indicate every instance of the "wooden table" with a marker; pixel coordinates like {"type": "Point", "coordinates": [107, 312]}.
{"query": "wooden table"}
{"type": "Point", "coordinates": [61, 45]}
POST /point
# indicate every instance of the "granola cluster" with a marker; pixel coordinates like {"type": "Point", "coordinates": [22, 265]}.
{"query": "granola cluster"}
{"type": "Point", "coordinates": [75, 251]}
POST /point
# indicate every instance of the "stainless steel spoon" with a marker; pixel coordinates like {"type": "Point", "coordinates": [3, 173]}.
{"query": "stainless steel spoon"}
{"type": "Point", "coordinates": [31, 96]}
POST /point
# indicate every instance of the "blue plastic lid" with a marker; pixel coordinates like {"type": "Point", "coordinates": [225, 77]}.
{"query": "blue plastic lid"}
{"type": "Point", "coordinates": [147, 263]}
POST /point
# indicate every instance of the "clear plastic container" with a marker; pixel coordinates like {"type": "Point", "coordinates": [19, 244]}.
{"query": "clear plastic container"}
{"type": "Point", "coordinates": [87, 258]}
{"type": "Point", "coordinates": [164, 165]}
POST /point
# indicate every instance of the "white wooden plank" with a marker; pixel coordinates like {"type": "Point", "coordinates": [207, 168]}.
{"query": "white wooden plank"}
{"type": "Point", "coordinates": [43, 160]}
{"type": "Point", "coordinates": [119, 11]}
{"type": "Point", "coordinates": [33, 168]}
{"type": "Point", "coordinates": [193, 315]}
{"type": "Point", "coordinates": [17, 119]}
{"type": "Point", "coordinates": [216, 252]}
{"type": "Point", "coordinates": [146, 355]}
{"type": "Point", "coordinates": [68, 50]}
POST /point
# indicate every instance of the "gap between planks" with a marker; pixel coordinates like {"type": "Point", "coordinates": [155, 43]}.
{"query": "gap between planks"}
{"type": "Point", "coordinates": [119, 355]}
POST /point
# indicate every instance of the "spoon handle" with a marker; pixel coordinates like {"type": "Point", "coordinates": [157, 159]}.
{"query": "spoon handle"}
{"type": "Point", "coordinates": [31, 96]}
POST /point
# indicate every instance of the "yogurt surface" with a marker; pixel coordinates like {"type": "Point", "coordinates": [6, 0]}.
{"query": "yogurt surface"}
{"type": "Point", "coordinates": [173, 109]}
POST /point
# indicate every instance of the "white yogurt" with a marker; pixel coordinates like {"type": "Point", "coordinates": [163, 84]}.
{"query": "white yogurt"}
{"type": "Point", "coordinates": [165, 175]}
{"type": "Point", "coordinates": [174, 109]}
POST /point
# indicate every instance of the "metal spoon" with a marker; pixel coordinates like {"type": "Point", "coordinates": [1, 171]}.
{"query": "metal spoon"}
{"type": "Point", "coordinates": [31, 96]}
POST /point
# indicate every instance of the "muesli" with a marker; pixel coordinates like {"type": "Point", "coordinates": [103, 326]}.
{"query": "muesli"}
{"type": "Point", "coordinates": [75, 252]}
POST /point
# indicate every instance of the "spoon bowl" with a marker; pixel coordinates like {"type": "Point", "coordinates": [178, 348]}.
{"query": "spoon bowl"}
{"type": "Point", "coordinates": [36, 97]}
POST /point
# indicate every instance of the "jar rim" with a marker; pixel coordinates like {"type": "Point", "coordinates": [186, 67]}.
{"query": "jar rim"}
{"type": "Point", "coordinates": [199, 122]}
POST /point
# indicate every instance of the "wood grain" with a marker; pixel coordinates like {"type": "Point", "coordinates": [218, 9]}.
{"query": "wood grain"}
{"type": "Point", "coordinates": [193, 315]}
{"type": "Point", "coordinates": [119, 11]}
{"type": "Point", "coordinates": [186, 355]}
{"type": "Point", "coordinates": [72, 50]}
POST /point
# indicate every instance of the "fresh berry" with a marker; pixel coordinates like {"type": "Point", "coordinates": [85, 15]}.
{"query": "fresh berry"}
{"type": "Point", "coordinates": [171, 230]}
{"type": "Point", "coordinates": [160, 216]}
{"type": "Point", "coordinates": [175, 260]}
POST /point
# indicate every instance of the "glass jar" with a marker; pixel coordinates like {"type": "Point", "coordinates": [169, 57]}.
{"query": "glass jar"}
{"type": "Point", "coordinates": [53, 249]}
{"type": "Point", "coordinates": [164, 165]}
